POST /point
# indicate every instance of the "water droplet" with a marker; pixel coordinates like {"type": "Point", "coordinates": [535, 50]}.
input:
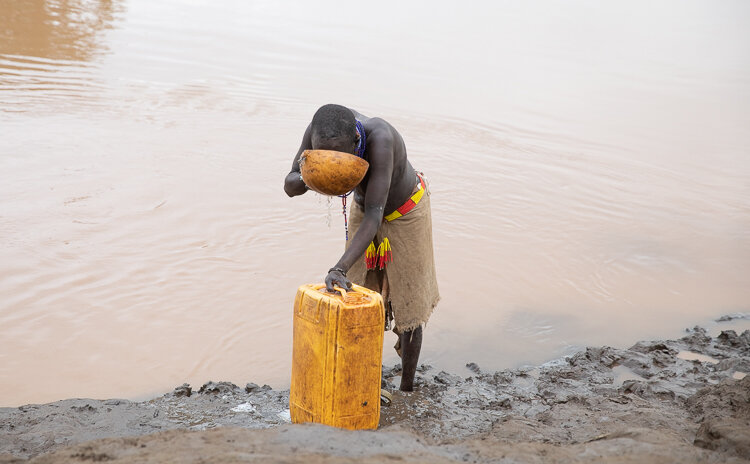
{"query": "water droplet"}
{"type": "Point", "coordinates": [328, 214]}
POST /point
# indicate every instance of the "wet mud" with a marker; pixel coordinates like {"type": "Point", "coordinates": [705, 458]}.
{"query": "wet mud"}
{"type": "Point", "coordinates": [685, 400]}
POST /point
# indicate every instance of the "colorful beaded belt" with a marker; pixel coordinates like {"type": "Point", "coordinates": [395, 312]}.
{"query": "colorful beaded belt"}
{"type": "Point", "coordinates": [410, 203]}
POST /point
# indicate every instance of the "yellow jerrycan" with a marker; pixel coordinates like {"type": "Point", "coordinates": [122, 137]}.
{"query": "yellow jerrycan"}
{"type": "Point", "coordinates": [336, 357]}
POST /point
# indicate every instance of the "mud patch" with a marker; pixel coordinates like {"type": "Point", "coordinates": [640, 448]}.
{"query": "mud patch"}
{"type": "Point", "coordinates": [648, 403]}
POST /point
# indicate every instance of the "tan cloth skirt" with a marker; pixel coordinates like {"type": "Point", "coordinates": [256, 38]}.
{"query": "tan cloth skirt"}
{"type": "Point", "coordinates": [409, 282]}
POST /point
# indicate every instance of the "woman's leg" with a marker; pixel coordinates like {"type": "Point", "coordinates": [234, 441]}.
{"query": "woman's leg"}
{"type": "Point", "coordinates": [411, 345]}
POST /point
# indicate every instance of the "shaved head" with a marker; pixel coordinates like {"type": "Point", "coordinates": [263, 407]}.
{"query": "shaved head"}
{"type": "Point", "coordinates": [334, 128]}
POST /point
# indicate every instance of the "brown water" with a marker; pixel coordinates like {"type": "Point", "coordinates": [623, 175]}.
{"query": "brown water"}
{"type": "Point", "coordinates": [590, 168]}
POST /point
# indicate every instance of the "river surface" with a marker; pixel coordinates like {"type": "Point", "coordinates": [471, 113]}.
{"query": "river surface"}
{"type": "Point", "coordinates": [589, 162]}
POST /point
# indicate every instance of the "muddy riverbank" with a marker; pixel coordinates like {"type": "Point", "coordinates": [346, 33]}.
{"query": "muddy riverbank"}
{"type": "Point", "coordinates": [684, 400]}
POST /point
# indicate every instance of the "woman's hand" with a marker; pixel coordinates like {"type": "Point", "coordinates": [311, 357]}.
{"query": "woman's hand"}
{"type": "Point", "coordinates": [337, 277]}
{"type": "Point", "coordinates": [294, 185]}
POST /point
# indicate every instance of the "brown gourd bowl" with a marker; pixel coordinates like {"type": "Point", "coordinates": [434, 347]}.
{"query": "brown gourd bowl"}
{"type": "Point", "coordinates": [332, 172]}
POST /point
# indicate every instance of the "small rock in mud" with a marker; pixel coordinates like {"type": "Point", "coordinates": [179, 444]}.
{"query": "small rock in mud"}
{"type": "Point", "coordinates": [502, 377]}
{"type": "Point", "coordinates": [735, 364]}
{"type": "Point", "coordinates": [648, 389]}
{"type": "Point", "coordinates": [424, 368]}
{"type": "Point", "coordinates": [640, 364]}
{"type": "Point", "coordinates": [115, 402]}
{"type": "Point", "coordinates": [473, 367]}
{"type": "Point", "coordinates": [183, 390]}
{"type": "Point", "coordinates": [649, 347]}
{"type": "Point", "coordinates": [696, 336]}
{"type": "Point", "coordinates": [501, 402]}
{"type": "Point", "coordinates": [445, 378]}
{"type": "Point", "coordinates": [84, 408]}
{"type": "Point", "coordinates": [733, 317]}
{"type": "Point", "coordinates": [663, 358]}
{"type": "Point", "coordinates": [391, 371]}
{"type": "Point", "coordinates": [730, 337]}
{"type": "Point", "coordinates": [218, 387]}
{"type": "Point", "coordinates": [251, 387]}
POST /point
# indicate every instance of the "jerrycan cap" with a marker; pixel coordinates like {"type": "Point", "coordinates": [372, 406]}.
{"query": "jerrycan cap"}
{"type": "Point", "coordinates": [352, 297]}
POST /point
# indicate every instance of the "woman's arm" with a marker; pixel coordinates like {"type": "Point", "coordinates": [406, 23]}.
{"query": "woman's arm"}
{"type": "Point", "coordinates": [380, 157]}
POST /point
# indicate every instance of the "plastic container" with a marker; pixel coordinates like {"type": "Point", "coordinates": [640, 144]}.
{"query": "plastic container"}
{"type": "Point", "coordinates": [336, 357]}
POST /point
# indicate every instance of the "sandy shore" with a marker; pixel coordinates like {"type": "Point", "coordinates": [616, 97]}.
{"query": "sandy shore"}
{"type": "Point", "coordinates": [681, 401]}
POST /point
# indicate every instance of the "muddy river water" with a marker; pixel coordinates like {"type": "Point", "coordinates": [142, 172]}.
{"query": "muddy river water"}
{"type": "Point", "coordinates": [590, 169]}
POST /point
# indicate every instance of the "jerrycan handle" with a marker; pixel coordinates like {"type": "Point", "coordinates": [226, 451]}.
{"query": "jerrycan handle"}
{"type": "Point", "coordinates": [342, 291]}
{"type": "Point", "coordinates": [336, 287]}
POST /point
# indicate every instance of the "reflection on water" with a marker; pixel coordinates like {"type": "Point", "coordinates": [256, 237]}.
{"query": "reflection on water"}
{"type": "Point", "coordinates": [45, 47]}
{"type": "Point", "coordinates": [55, 29]}
{"type": "Point", "coordinates": [588, 163]}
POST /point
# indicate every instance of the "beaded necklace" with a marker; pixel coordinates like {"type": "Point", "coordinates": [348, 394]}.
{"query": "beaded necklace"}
{"type": "Point", "coordinates": [359, 151]}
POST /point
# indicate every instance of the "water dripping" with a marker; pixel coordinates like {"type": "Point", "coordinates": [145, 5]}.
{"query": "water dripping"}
{"type": "Point", "coordinates": [329, 202]}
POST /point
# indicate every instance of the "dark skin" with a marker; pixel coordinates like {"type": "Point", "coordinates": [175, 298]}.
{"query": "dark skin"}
{"type": "Point", "coordinates": [388, 183]}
